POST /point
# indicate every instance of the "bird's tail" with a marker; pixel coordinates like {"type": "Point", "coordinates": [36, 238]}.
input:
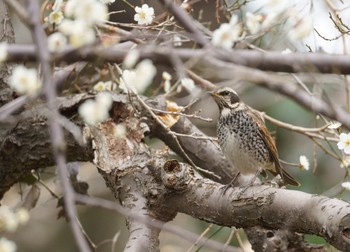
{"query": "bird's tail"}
{"type": "Point", "coordinates": [289, 179]}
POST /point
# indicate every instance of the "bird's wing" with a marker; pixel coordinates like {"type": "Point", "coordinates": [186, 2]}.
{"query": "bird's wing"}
{"type": "Point", "coordinates": [267, 139]}
{"type": "Point", "coordinates": [271, 146]}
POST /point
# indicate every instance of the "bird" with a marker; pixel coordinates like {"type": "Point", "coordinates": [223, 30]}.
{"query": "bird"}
{"type": "Point", "coordinates": [245, 139]}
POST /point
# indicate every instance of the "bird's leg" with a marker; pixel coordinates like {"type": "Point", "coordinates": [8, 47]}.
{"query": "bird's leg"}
{"type": "Point", "coordinates": [225, 187]}
{"type": "Point", "coordinates": [252, 181]}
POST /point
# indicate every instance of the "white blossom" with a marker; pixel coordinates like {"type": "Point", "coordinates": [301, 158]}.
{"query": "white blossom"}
{"type": "Point", "coordinates": [89, 11]}
{"type": "Point", "coordinates": [67, 26]}
{"type": "Point", "coordinates": [346, 185]}
{"type": "Point", "coordinates": [7, 245]}
{"type": "Point", "coordinates": [301, 29]}
{"type": "Point", "coordinates": [78, 32]}
{"type": "Point", "coordinates": [344, 143]}
{"type": "Point", "coordinates": [304, 163]}
{"type": "Point", "coordinates": [104, 100]}
{"type": "Point", "coordinates": [24, 80]}
{"type": "Point", "coordinates": [167, 78]}
{"type": "Point", "coordinates": [3, 51]}
{"type": "Point", "coordinates": [22, 215]}
{"type": "Point", "coordinates": [177, 41]}
{"type": "Point", "coordinates": [234, 20]}
{"type": "Point", "coordinates": [188, 84]}
{"type": "Point", "coordinates": [253, 22]}
{"type": "Point", "coordinates": [144, 14]}
{"type": "Point", "coordinates": [226, 34]}
{"type": "Point", "coordinates": [55, 17]}
{"type": "Point", "coordinates": [107, 1]}
{"type": "Point", "coordinates": [139, 79]}
{"type": "Point", "coordinates": [96, 111]}
{"type": "Point", "coordinates": [127, 80]}
{"type": "Point", "coordinates": [104, 86]}
{"type": "Point", "coordinates": [56, 42]}
{"type": "Point", "coordinates": [8, 219]}
{"type": "Point", "coordinates": [70, 7]}
{"type": "Point", "coordinates": [131, 58]}
{"type": "Point", "coordinates": [86, 38]}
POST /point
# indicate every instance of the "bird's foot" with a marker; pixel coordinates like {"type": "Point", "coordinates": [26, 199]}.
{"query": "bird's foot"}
{"type": "Point", "coordinates": [251, 183]}
{"type": "Point", "coordinates": [227, 186]}
{"type": "Point", "coordinates": [224, 188]}
{"type": "Point", "coordinates": [277, 182]}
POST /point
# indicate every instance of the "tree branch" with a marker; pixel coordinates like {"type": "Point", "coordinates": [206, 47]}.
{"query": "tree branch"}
{"type": "Point", "coordinates": [56, 131]}
{"type": "Point", "coordinates": [257, 206]}
{"type": "Point", "coordinates": [267, 61]}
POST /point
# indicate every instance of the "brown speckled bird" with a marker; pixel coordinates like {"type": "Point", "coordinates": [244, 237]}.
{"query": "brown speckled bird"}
{"type": "Point", "coordinates": [244, 138]}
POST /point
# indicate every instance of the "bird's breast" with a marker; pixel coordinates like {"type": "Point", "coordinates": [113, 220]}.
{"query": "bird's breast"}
{"type": "Point", "coordinates": [241, 142]}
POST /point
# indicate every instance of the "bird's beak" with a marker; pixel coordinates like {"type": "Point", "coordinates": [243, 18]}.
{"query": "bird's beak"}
{"type": "Point", "coordinates": [212, 93]}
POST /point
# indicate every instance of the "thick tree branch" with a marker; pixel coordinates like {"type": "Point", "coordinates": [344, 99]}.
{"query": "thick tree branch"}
{"type": "Point", "coordinates": [267, 61]}
{"type": "Point", "coordinates": [186, 21]}
{"type": "Point", "coordinates": [258, 206]}
{"type": "Point", "coordinates": [27, 141]}
{"type": "Point", "coordinates": [143, 237]}
{"type": "Point", "coordinates": [204, 153]}
{"type": "Point", "coordinates": [213, 58]}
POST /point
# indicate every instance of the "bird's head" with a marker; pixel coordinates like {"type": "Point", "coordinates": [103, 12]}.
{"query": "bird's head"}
{"type": "Point", "coordinates": [226, 98]}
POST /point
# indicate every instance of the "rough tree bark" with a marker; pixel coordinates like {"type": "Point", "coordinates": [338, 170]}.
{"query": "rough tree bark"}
{"type": "Point", "coordinates": [143, 180]}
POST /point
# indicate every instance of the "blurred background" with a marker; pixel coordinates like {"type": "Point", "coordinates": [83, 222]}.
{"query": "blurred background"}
{"type": "Point", "coordinates": [46, 232]}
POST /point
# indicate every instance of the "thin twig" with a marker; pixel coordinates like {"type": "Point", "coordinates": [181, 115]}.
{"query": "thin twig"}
{"type": "Point", "coordinates": [325, 149]}
{"type": "Point", "coordinates": [53, 194]}
{"type": "Point", "coordinates": [200, 237]}
{"type": "Point", "coordinates": [57, 136]}
{"type": "Point", "coordinates": [202, 82]}
{"type": "Point", "coordinates": [213, 139]}
{"type": "Point", "coordinates": [186, 21]}
{"type": "Point", "coordinates": [183, 233]}
{"type": "Point", "coordinates": [173, 136]}
{"type": "Point", "coordinates": [229, 239]}
{"type": "Point", "coordinates": [293, 127]}
{"type": "Point", "coordinates": [239, 239]}
{"type": "Point", "coordinates": [182, 114]}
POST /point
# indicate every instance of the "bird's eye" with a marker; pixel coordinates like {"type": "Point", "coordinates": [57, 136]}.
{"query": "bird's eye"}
{"type": "Point", "coordinates": [224, 93]}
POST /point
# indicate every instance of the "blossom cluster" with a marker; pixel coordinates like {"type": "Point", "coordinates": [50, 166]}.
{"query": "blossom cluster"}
{"type": "Point", "coordinates": [227, 33]}
{"type": "Point", "coordinates": [75, 22]}
{"type": "Point", "coordinates": [137, 80]}
{"type": "Point", "coordinates": [186, 83]}
{"type": "Point", "coordinates": [256, 24]}
{"type": "Point", "coordinates": [25, 80]}
{"type": "Point", "coordinates": [10, 220]}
